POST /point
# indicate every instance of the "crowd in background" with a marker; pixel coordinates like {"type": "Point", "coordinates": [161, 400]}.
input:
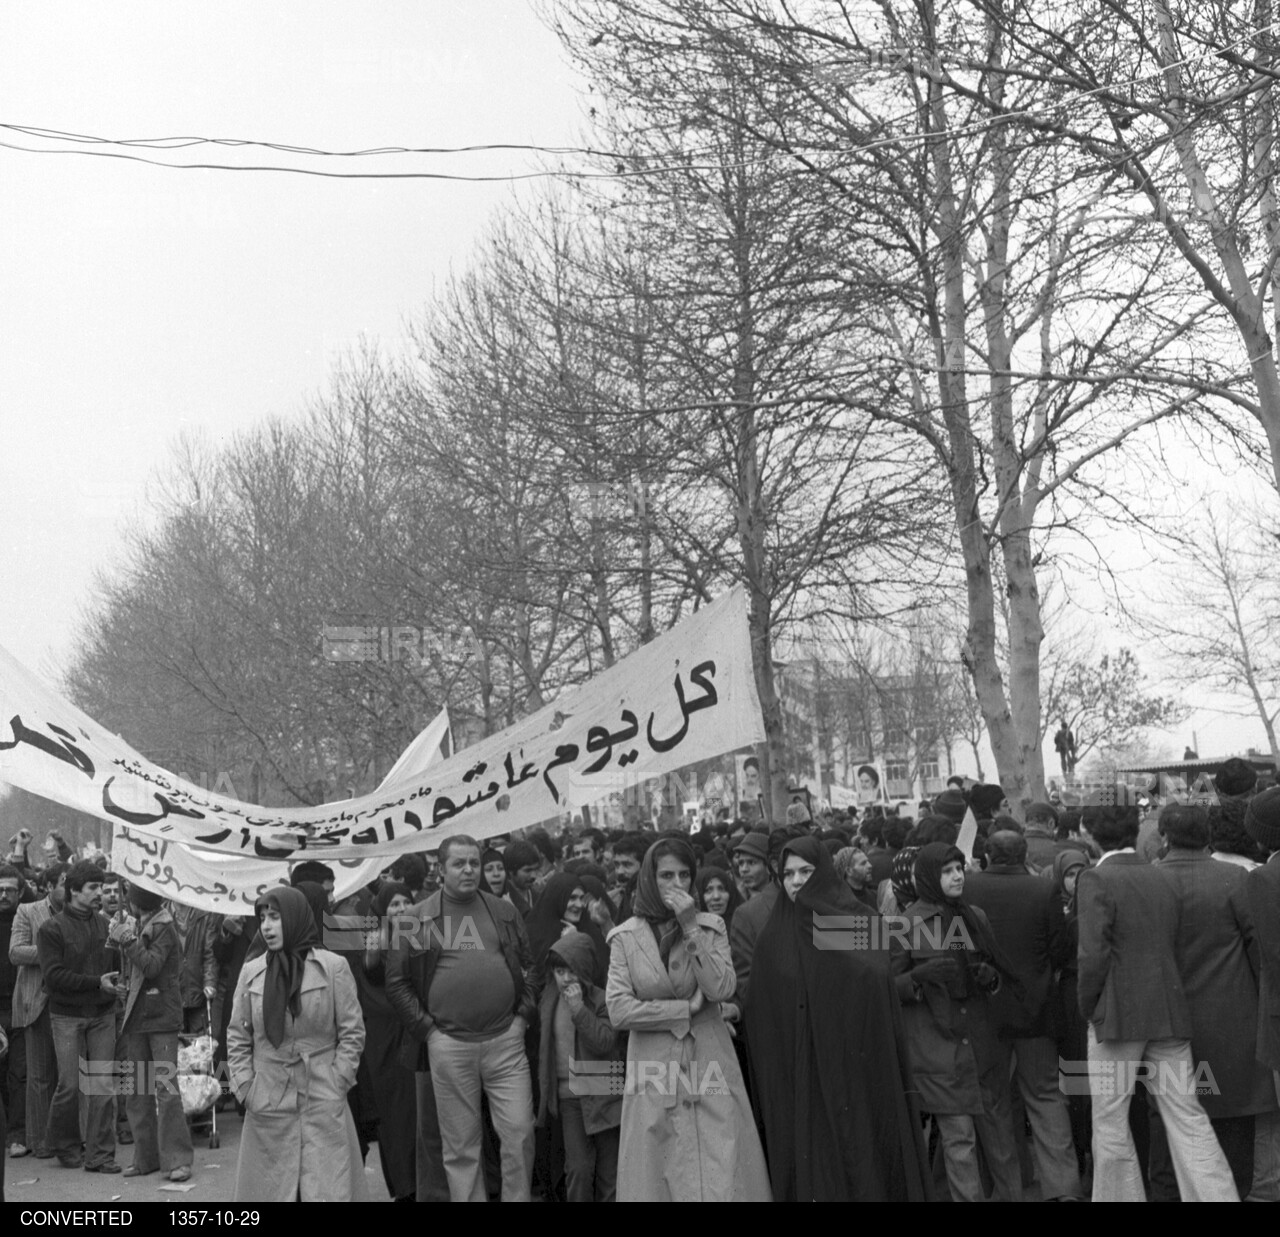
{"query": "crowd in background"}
{"type": "Point", "coordinates": [1082, 1002]}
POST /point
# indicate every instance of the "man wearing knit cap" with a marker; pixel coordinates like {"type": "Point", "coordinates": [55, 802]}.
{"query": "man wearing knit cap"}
{"type": "Point", "coordinates": [1236, 779]}
{"type": "Point", "coordinates": [751, 858]}
{"type": "Point", "coordinates": [798, 814]}
{"type": "Point", "coordinates": [952, 804]}
{"type": "Point", "coordinates": [988, 801]}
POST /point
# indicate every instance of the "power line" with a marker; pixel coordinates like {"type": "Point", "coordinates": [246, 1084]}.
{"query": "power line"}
{"type": "Point", "coordinates": [179, 143]}
{"type": "Point", "coordinates": [620, 172]}
{"type": "Point", "coordinates": [296, 171]}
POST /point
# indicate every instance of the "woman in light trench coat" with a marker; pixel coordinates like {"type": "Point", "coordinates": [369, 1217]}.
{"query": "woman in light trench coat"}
{"type": "Point", "coordinates": [687, 1130]}
{"type": "Point", "coordinates": [293, 1047]}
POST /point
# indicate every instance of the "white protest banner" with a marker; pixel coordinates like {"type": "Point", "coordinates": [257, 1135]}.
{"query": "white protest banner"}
{"type": "Point", "coordinates": [686, 696]}
{"type": "Point", "coordinates": [968, 834]}
{"type": "Point", "coordinates": [226, 884]}
{"type": "Point", "coordinates": [232, 884]}
{"type": "Point", "coordinates": [842, 799]}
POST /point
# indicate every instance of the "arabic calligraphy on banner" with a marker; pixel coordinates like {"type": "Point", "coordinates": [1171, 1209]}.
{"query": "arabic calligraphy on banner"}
{"type": "Point", "coordinates": [231, 885]}
{"type": "Point", "coordinates": [687, 696]}
{"type": "Point", "coordinates": [222, 883]}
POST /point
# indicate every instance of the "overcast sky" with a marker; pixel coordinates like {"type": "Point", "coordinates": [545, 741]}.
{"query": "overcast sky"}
{"type": "Point", "coordinates": [141, 301]}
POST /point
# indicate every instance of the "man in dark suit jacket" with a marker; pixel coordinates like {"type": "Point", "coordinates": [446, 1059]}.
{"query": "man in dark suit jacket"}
{"type": "Point", "coordinates": [1218, 960]}
{"type": "Point", "coordinates": [1262, 823]}
{"type": "Point", "coordinates": [750, 918]}
{"type": "Point", "coordinates": [1262, 886]}
{"type": "Point", "coordinates": [1027, 918]}
{"type": "Point", "coordinates": [1131, 991]}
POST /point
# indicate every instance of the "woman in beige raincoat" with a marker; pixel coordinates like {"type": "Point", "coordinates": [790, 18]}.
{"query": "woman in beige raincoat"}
{"type": "Point", "coordinates": [687, 1130]}
{"type": "Point", "coordinates": [293, 1047]}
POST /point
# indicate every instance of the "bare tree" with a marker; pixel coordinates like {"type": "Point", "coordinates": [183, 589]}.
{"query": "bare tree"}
{"type": "Point", "coordinates": [1220, 626]}
{"type": "Point", "coordinates": [993, 333]}
{"type": "Point", "coordinates": [206, 648]}
{"type": "Point", "coordinates": [1106, 704]}
{"type": "Point", "coordinates": [809, 503]}
{"type": "Point", "coordinates": [1181, 102]}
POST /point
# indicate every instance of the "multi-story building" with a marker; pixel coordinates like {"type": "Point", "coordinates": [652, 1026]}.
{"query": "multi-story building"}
{"type": "Point", "coordinates": [840, 718]}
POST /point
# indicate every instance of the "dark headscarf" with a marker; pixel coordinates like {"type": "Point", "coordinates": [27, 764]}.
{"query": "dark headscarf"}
{"type": "Point", "coordinates": [828, 1049]}
{"type": "Point", "coordinates": [704, 877]}
{"type": "Point", "coordinates": [928, 879]}
{"type": "Point", "coordinates": [545, 924]}
{"type": "Point", "coordinates": [389, 891]}
{"type": "Point", "coordinates": [491, 855]}
{"type": "Point", "coordinates": [319, 903]}
{"type": "Point", "coordinates": [648, 903]}
{"type": "Point", "coordinates": [282, 984]}
{"type": "Point", "coordinates": [902, 878]}
{"type": "Point", "coordinates": [1063, 862]}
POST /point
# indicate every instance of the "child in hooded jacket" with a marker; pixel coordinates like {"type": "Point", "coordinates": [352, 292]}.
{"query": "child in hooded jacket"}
{"type": "Point", "coordinates": [581, 1064]}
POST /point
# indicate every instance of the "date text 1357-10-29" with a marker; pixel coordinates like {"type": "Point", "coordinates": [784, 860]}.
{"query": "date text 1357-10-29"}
{"type": "Point", "coordinates": [191, 1218]}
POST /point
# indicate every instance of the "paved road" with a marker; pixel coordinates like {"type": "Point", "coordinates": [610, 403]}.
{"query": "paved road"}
{"type": "Point", "coordinates": [29, 1180]}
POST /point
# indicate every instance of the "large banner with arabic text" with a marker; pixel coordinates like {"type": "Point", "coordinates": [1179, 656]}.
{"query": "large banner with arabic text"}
{"type": "Point", "coordinates": [225, 884]}
{"type": "Point", "coordinates": [232, 884]}
{"type": "Point", "coordinates": [687, 696]}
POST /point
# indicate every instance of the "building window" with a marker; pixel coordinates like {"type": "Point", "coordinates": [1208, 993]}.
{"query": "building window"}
{"type": "Point", "coordinates": [895, 739]}
{"type": "Point", "coordinates": [898, 776]}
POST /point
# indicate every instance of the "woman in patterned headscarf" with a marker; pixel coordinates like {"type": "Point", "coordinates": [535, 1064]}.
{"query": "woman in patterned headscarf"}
{"type": "Point", "coordinates": [899, 891]}
{"type": "Point", "coordinates": [293, 1048]}
{"type": "Point", "coordinates": [687, 1130]}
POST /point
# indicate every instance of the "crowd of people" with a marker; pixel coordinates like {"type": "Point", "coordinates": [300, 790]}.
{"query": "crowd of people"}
{"type": "Point", "coordinates": [1082, 1002]}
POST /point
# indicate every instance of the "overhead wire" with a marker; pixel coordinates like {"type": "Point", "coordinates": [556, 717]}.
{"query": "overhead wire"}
{"type": "Point", "coordinates": [620, 172]}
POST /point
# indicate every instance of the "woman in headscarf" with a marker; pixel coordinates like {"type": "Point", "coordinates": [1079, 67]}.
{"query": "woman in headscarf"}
{"type": "Point", "coordinates": [899, 890]}
{"type": "Point", "coordinates": [293, 1048]}
{"type": "Point", "coordinates": [717, 893]}
{"type": "Point", "coordinates": [947, 964]}
{"type": "Point", "coordinates": [564, 907]}
{"type": "Point", "coordinates": [1073, 1044]}
{"type": "Point", "coordinates": [494, 871]}
{"type": "Point", "coordinates": [828, 1049]}
{"type": "Point", "coordinates": [688, 1134]}
{"type": "Point", "coordinates": [317, 899]}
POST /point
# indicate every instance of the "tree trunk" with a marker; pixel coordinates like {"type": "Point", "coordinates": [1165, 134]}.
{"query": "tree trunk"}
{"type": "Point", "coordinates": [1238, 297]}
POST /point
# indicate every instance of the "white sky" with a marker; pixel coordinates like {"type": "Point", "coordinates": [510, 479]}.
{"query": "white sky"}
{"type": "Point", "coordinates": [141, 301]}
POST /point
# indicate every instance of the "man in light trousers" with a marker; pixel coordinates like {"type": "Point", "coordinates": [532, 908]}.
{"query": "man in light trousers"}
{"type": "Point", "coordinates": [460, 980]}
{"type": "Point", "coordinates": [1132, 993]}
